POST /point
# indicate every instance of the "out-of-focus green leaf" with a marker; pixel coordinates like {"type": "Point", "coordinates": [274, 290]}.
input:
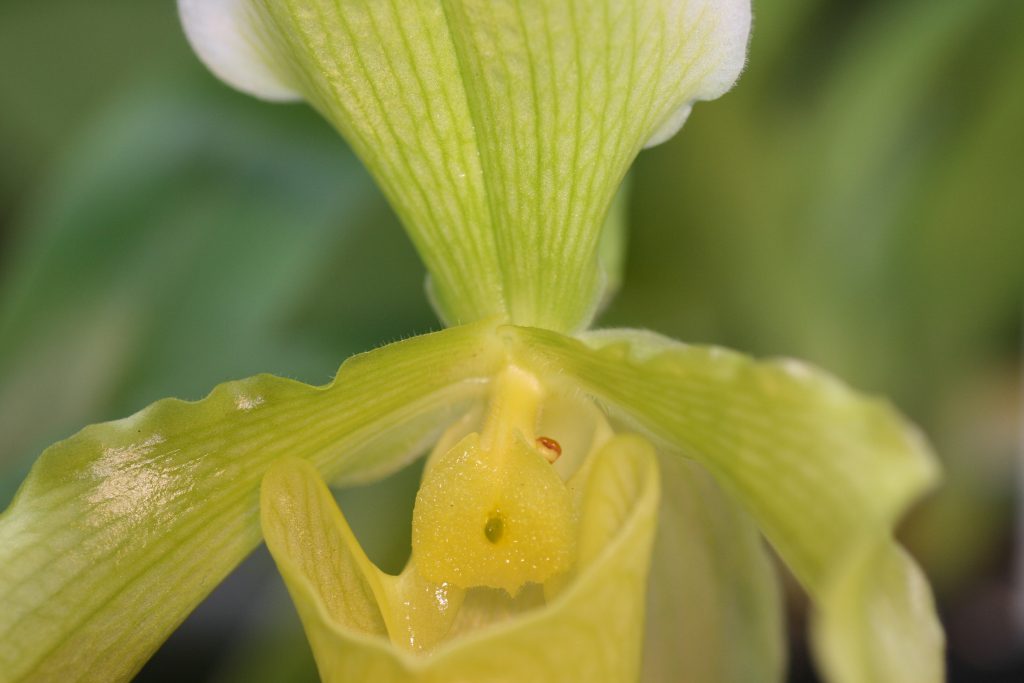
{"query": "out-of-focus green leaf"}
{"type": "Point", "coordinates": [824, 472]}
{"type": "Point", "coordinates": [171, 252]}
{"type": "Point", "coordinates": [864, 239]}
{"type": "Point", "coordinates": [62, 60]}
{"type": "Point", "coordinates": [121, 530]}
{"type": "Point", "coordinates": [273, 647]}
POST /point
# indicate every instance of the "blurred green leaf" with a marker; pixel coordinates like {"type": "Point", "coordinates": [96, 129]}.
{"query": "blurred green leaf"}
{"type": "Point", "coordinates": [863, 216]}
{"type": "Point", "coordinates": [172, 252]}
{"type": "Point", "coordinates": [61, 61]}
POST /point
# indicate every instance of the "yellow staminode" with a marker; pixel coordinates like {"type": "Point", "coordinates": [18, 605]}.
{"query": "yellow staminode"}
{"type": "Point", "coordinates": [492, 511]}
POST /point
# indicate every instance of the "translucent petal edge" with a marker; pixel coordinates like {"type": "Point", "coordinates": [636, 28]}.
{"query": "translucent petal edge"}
{"type": "Point", "coordinates": [728, 37]}
{"type": "Point", "coordinates": [227, 37]}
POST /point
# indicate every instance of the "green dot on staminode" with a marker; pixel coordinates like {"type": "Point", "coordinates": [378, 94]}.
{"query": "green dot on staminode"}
{"type": "Point", "coordinates": [495, 527]}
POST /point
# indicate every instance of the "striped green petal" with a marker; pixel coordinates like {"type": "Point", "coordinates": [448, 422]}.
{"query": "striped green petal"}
{"type": "Point", "coordinates": [385, 74]}
{"type": "Point", "coordinates": [121, 530]}
{"type": "Point", "coordinates": [564, 94]}
{"type": "Point", "coordinates": [499, 129]}
{"type": "Point", "coordinates": [357, 618]}
{"type": "Point", "coordinates": [824, 471]}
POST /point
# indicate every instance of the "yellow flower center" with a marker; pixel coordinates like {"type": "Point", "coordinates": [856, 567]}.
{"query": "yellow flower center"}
{"type": "Point", "coordinates": [492, 511]}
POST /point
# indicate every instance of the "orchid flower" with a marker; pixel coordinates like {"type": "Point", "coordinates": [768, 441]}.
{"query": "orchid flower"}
{"type": "Point", "coordinates": [595, 502]}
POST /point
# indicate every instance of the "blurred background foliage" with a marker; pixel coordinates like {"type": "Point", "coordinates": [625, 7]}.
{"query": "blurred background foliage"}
{"type": "Point", "coordinates": [857, 201]}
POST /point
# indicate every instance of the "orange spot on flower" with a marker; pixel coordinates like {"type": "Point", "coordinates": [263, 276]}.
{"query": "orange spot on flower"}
{"type": "Point", "coordinates": [549, 448]}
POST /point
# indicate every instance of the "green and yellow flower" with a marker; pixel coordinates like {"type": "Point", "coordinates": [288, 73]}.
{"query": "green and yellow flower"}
{"type": "Point", "coordinates": [594, 502]}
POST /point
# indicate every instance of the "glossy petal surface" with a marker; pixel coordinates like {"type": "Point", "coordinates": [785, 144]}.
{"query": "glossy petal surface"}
{"type": "Point", "coordinates": [122, 529]}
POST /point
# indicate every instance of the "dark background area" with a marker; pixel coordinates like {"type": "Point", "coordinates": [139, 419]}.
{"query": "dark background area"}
{"type": "Point", "coordinates": [856, 201]}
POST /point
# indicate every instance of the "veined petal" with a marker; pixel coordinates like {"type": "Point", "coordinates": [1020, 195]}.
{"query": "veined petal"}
{"type": "Point", "coordinates": [121, 530]}
{"type": "Point", "coordinates": [499, 129]}
{"type": "Point", "coordinates": [564, 93]}
{"type": "Point", "coordinates": [824, 471]}
{"type": "Point", "coordinates": [384, 73]}
{"type": "Point", "coordinates": [591, 631]}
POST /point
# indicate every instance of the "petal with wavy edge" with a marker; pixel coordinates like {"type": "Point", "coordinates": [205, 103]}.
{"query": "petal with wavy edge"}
{"type": "Point", "coordinates": [121, 530]}
{"type": "Point", "coordinates": [499, 129]}
{"type": "Point", "coordinates": [824, 472]}
{"type": "Point", "coordinates": [590, 632]}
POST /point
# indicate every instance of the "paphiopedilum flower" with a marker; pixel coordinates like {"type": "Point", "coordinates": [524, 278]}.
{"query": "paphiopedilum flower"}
{"type": "Point", "coordinates": [500, 130]}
